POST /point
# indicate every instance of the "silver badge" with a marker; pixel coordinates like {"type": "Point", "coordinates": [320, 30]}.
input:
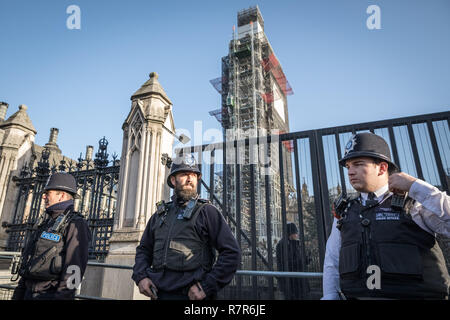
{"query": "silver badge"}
{"type": "Point", "coordinates": [350, 145]}
{"type": "Point", "coordinates": [189, 160]}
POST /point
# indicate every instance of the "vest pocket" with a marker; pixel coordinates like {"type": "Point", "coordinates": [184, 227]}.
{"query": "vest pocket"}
{"type": "Point", "coordinates": [40, 265]}
{"type": "Point", "coordinates": [185, 254]}
{"type": "Point", "coordinates": [349, 260]}
{"type": "Point", "coordinates": [158, 254]}
{"type": "Point", "coordinates": [400, 260]}
{"type": "Point", "coordinates": [56, 265]}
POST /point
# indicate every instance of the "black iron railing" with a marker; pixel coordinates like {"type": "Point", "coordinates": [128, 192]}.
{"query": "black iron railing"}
{"type": "Point", "coordinates": [97, 181]}
{"type": "Point", "coordinates": [306, 179]}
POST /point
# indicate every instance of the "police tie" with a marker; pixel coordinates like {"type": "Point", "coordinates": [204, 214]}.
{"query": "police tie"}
{"type": "Point", "coordinates": [371, 201]}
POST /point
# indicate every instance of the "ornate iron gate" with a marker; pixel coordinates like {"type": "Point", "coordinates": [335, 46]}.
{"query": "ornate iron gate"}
{"type": "Point", "coordinates": [97, 186]}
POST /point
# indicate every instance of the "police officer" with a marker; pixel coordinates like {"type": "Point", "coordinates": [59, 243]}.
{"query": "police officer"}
{"type": "Point", "coordinates": [175, 259]}
{"type": "Point", "coordinates": [55, 257]}
{"type": "Point", "coordinates": [382, 244]}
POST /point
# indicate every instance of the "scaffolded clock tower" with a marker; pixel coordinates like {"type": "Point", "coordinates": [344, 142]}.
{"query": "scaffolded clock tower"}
{"type": "Point", "coordinates": [254, 93]}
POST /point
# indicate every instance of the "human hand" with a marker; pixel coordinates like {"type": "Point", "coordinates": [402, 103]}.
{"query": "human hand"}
{"type": "Point", "coordinates": [196, 292]}
{"type": "Point", "coordinates": [145, 287]}
{"type": "Point", "coordinates": [400, 183]}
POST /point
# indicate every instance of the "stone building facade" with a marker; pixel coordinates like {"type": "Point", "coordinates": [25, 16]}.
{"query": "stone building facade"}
{"type": "Point", "coordinates": [18, 150]}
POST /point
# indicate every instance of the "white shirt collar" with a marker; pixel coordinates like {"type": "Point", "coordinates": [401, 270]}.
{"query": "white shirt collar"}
{"type": "Point", "coordinates": [379, 194]}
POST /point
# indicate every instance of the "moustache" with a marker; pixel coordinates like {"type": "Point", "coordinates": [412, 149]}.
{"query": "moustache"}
{"type": "Point", "coordinates": [188, 185]}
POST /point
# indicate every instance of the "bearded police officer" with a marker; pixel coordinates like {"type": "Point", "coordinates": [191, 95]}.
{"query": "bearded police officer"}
{"type": "Point", "coordinates": [55, 257]}
{"type": "Point", "coordinates": [382, 244]}
{"type": "Point", "coordinates": [175, 259]}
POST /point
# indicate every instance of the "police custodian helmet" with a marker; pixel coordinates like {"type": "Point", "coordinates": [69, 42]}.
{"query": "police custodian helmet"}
{"type": "Point", "coordinates": [62, 181]}
{"type": "Point", "coordinates": [185, 163]}
{"type": "Point", "coordinates": [367, 144]}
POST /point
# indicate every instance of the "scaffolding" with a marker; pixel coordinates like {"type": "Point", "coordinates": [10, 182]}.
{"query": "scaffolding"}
{"type": "Point", "coordinates": [250, 75]}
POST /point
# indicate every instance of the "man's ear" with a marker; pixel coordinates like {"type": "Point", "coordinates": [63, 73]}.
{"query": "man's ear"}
{"type": "Point", "coordinates": [172, 180]}
{"type": "Point", "coordinates": [61, 196]}
{"type": "Point", "coordinates": [384, 167]}
{"type": "Point", "coordinates": [65, 196]}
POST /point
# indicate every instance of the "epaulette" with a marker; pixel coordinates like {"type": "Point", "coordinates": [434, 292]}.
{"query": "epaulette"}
{"type": "Point", "coordinates": [76, 214]}
{"type": "Point", "coordinates": [201, 200]}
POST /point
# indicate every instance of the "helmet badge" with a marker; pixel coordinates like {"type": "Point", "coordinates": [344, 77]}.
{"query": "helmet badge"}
{"type": "Point", "coordinates": [189, 160]}
{"type": "Point", "coordinates": [350, 145]}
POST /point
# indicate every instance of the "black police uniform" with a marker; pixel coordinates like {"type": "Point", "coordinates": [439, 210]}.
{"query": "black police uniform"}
{"type": "Point", "coordinates": [411, 262]}
{"type": "Point", "coordinates": [185, 256]}
{"type": "Point", "coordinates": [49, 280]}
{"type": "Point", "coordinates": [384, 234]}
{"type": "Point", "coordinates": [177, 247]}
{"type": "Point", "coordinates": [59, 242]}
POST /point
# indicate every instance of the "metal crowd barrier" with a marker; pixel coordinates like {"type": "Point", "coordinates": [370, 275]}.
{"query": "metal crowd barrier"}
{"type": "Point", "coordinates": [278, 274]}
{"type": "Point", "coordinates": [239, 272]}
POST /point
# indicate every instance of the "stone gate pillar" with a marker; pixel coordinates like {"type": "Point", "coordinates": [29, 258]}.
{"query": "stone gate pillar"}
{"type": "Point", "coordinates": [142, 182]}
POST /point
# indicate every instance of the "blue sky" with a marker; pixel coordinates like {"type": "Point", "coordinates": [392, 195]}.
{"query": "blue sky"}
{"type": "Point", "coordinates": [80, 81]}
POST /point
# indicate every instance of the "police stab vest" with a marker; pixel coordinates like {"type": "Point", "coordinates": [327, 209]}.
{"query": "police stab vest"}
{"type": "Point", "coordinates": [411, 263]}
{"type": "Point", "coordinates": [177, 245]}
{"type": "Point", "coordinates": [43, 259]}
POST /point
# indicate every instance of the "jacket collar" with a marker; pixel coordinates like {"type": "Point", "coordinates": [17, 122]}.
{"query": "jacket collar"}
{"type": "Point", "coordinates": [379, 194]}
{"type": "Point", "coordinates": [58, 208]}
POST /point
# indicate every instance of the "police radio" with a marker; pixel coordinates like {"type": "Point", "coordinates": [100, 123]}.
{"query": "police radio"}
{"type": "Point", "coordinates": [59, 222]}
{"type": "Point", "coordinates": [340, 204]}
{"type": "Point", "coordinates": [187, 214]}
{"type": "Point", "coordinates": [398, 201]}
{"type": "Point", "coordinates": [15, 266]}
{"type": "Point", "coordinates": [161, 210]}
{"type": "Point", "coordinates": [152, 288]}
{"type": "Point", "coordinates": [160, 207]}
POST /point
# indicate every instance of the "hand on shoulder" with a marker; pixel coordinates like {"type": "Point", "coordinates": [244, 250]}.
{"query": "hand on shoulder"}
{"type": "Point", "coordinates": [400, 182]}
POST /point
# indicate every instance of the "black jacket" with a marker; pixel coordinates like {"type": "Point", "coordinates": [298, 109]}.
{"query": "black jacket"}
{"type": "Point", "coordinates": [293, 261]}
{"type": "Point", "coordinates": [76, 237]}
{"type": "Point", "coordinates": [213, 229]}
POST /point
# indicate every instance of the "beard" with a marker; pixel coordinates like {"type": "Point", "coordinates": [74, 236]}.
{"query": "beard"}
{"type": "Point", "coordinates": [185, 195]}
